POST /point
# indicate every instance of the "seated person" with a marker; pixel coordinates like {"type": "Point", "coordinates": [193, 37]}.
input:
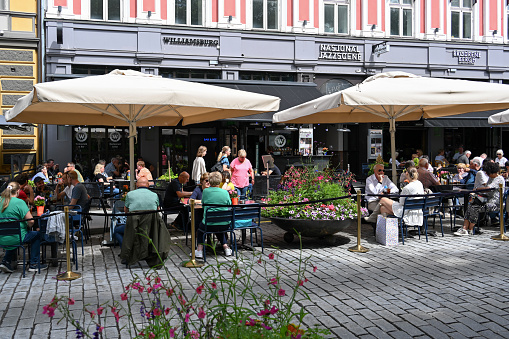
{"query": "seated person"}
{"type": "Point", "coordinates": [101, 176]}
{"type": "Point", "coordinates": [113, 168]}
{"type": "Point", "coordinates": [377, 183]}
{"type": "Point", "coordinates": [64, 189]}
{"type": "Point", "coordinates": [414, 187]}
{"type": "Point", "coordinates": [71, 166]}
{"type": "Point", "coordinates": [440, 160]}
{"type": "Point", "coordinates": [40, 188]}
{"type": "Point", "coordinates": [26, 192]}
{"type": "Point", "coordinates": [141, 199]}
{"type": "Point", "coordinates": [79, 195]}
{"type": "Point", "coordinates": [14, 208]}
{"type": "Point", "coordinates": [462, 174]}
{"type": "Point", "coordinates": [226, 184]}
{"type": "Point", "coordinates": [425, 177]}
{"type": "Point", "coordinates": [274, 170]}
{"type": "Point", "coordinates": [198, 191]}
{"type": "Point", "coordinates": [505, 171]}
{"type": "Point", "coordinates": [213, 195]}
{"type": "Point", "coordinates": [493, 199]}
{"type": "Point", "coordinates": [143, 172]}
{"type": "Point", "coordinates": [42, 172]}
{"type": "Point", "coordinates": [403, 181]}
{"type": "Point", "coordinates": [175, 192]}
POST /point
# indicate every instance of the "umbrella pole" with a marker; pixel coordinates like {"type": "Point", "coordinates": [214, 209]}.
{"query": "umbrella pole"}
{"type": "Point", "coordinates": [392, 131]}
{"type": "Point", "coordinates": [132, 135]}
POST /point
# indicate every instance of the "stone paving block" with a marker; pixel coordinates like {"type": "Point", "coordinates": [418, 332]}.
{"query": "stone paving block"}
{"type": "Point", "coordinates": [408, 328]}
{"type": "Point", "coordinates": [342, 332]}
{"type": "Point", "coordinates": [433, 332]}
{"type": "Point", "coordinates": [463, 329]}
{"type": "Point", "coordinates": [8, 332]}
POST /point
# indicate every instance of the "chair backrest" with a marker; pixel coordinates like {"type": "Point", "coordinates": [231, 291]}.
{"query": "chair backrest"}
{"type": "Point", "coordinates": [413, 203]}
{"type": "Point", "coordinates": [432, 201]}
{"type": "Point", "coordinates": [118, 206]}
{"type": "Point", "coordinates": [8, 227]}
{"type": "Point", "coordinates": [245, 212]}
{"type": "Point", "coordinates": [222, 217]}
{"type": "Point", "coordinates": [96, 191]}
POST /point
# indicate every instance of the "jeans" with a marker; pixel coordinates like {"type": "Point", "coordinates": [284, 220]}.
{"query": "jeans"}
{"type": "Point", "coordinates": [118, 234]}
{"type": "Point", "coordinates": [116, 192]}
{"type": "Point", "coordinates": [32, 238]}
{"type": "Point", "coordinates": [241, 191]}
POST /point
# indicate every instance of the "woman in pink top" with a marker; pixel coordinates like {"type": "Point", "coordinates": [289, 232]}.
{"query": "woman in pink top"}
{"type": "Point", "coordinates": [241, 170]}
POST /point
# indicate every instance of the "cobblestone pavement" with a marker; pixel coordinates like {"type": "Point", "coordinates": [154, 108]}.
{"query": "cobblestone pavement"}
{"type": "Point", "coordinates": [449, 287]}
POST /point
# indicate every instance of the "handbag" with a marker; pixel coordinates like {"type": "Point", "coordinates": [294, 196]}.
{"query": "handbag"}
{"type": "Point", "coordinates": [479, 200]}
{"type": "Point", "coordinates": [217, 167]}
{"type": "Point", "coordinates": [387, 230]}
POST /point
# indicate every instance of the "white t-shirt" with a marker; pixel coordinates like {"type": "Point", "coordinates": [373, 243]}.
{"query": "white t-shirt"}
{"type": "Point", "coordinates": [501, 162]}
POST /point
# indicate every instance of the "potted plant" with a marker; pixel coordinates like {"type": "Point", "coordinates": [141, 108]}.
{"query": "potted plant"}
{"type": "Point", "coordinates": [323, 215]}
{"type": "Point", "coordinates": [234, 196]}
{"type": "Point", "coordinates": [39, 202]}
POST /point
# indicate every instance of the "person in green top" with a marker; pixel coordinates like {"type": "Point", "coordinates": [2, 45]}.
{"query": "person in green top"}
{"type": "Point", "coordinates": [214, 195]}
{"type": "Point", "coordinates": [13, 208]}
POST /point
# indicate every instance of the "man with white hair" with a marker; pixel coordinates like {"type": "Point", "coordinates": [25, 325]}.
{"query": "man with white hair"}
{"type": "Point", "coordinates": [464, 158]}
{"type": "Point", "coordinates": [500, 159]}
{"type": "Point", "coordinates": [425, 177]}
{"type": "Point", "coordinates": [480, 158]}
{"type": "Point", "coordinates": [377, 183]}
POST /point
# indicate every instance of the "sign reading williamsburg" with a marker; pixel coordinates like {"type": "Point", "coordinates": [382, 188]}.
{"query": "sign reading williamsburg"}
{"type": "Point", "coordinates": [340, 52]}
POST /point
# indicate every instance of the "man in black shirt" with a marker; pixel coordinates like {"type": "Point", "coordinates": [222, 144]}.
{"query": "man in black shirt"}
{"type": "Point", "coordinates": [174, 192]}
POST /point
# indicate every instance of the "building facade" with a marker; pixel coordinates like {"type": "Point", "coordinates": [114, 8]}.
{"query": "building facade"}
{"type": "Point", "coordinates": [282, 46]}
{"type": "Point", "coordinates": [19, 71]}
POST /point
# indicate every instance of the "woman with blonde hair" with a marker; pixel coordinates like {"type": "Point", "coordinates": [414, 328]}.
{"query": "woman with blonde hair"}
{"type": "Point", "coordinates": [223, 158]}
{"type": "Point", "coordinates": [101, 176]}
{"type": "Point", "coordinates": [13, 208]}
{"type": "Point", "coordinates": [199, 165]}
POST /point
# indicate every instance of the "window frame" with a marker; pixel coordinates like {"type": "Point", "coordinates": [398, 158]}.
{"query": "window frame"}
{"type": "Point", "coordinates": [105, 9]}
{"type": "Point", "coordinates": [265, 16]}
{"type": "Point", "coordinates": [402, 7]}
{"type": "Point", "coordinates": [6, 4]}
{"type": "Point", "coordinates": [337, 4]}
{"type": "Point", "coordinates": [188, 22]}
{"type": "Point", "coordinates": [462, 10]}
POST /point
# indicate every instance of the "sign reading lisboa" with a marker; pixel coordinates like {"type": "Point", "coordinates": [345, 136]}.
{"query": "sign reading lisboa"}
{"type": "Point", "coordinates": [340, 52]}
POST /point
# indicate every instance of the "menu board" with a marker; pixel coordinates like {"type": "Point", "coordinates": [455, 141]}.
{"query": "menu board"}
{"type": "Point", "coordinates": [306, 141]}
{"type": "Point", "coordinates": [375, 141]}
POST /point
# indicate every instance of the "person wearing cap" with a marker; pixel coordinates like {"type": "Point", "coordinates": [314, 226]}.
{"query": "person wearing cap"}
{"type": "Point", "coordinates": [464, 158]}
{"type": "Point", "coordinates": [500, 160]}
{"type": "Point", "coordinates": [41, 188]}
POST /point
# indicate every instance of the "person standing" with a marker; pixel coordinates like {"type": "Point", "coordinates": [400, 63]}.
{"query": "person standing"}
{"type": "Point", "coordinates": [13, 208]}
{"type": "Point", "coordinates": [241, 170]}
{"type": "Point", "coordinates": [199, 165]}
{"type": "Point", "coordinates": [223, 158]}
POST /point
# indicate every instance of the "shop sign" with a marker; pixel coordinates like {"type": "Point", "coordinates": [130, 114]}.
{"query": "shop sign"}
{"type": "Point", "coordinates": [381, 48]}
{"type": "Point", "coordinates": [81, 136]}
{"type": "Point", "coordinates": [115, 136]}
{"type": "Point", "coordinates": [340, 52]}
{"type": "Point", "coordinates": [209, 139]}
{"type": "Point", "coordinates": [191, 42]}
{"type": "Point", "coordinates": [280, 141]}
{"type": "Point", "coordinates": [466, 57]}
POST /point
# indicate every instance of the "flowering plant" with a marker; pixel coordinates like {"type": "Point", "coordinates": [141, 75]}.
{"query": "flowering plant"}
{"type": "Point", "coordinates": [225, 302]}
{"type": "Point", "coordinates": [233, 194]}
{"type": "Point", "coordinates": [39, 201]}
{"type": "Point", "coordinates": [307, 184]}
{"type": "Point", "coordinates": [125, 190]}
{"type": "Point", "coordinates": [325, 149]}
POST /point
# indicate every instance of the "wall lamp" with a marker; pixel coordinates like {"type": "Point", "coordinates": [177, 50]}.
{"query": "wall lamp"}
{"type": "Point", "coordinates": [373, 27]}
{"type": "Point", "coordinates": [230, 18]}
{"type": "Point", "coordinates": [149, 14]}
{"type": "Point", "coordinates": [59, 9]}
{"type": "Point", "coordinates": [436, 30]}
{"type": "Point", "coordinates": [304, 23]}
{"type": "Point", "coordinates": [495, 32]}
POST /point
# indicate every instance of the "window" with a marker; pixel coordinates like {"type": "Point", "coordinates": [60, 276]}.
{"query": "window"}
{"type": "Point", "coordinates": [4, 5]}
{"type": "Point", "coordinates": [267, 76]}
{"type": "Point", "coordinates": [335, 18]}
{"type": "Point", "coordinates": [189, 73]}
{"type": "Point", "coordinates": [105, 10]}
{"type": "Point", "coordinates": [189, 12]}
{"type": "Point", "coordinates": [401, 17]}
{"type": "Point", "coordinates": [461, 19]}
{"type": "Point", "coordinates": [265, 14]}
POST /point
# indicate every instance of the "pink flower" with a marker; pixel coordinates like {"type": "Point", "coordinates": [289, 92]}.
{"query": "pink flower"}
{"type": "Point", "coordinates": [281, 292]}
{"type": "Point", "coordinates": [172, 333]}
{"type": "Point", "coordinates": [123, 296]}
{"type": "Point", "coordinates": [151, 335]}
{"type": "Point", "coordinates": [213, 285]}
{"type": "Point", "coordinates": [140, 289]}
{"type": "Point", "coordinates": [157, 280]}
{"type": "Point", "coordinates": [100, 310]}
{"type": "Point", "coordinates": [167, 310]}
{"type": "Point", "coordinates": [157, 312]}
{"type": "Point", "coordinates": [331, 207]}
{"type": "Point", "coordinates": [127, 288]}
{"type": "Point", "coordinates": [201, 313]}
{"type": "Point", "coordinates": [273, 281]}
{"type": "Point", "coordinates": [199, 289]}
{"type": "Point", "coordinates": [156, 286]}
{"type": "Point", "coordinates": [267, 302]}
{"type": "Point", "coordinates": [92, 314]}
{"type": "Point", "coordinates": [271, 256]}
{"type": "Point", "coordinates": [260, 260]}
{"type": "Point", "coordinates": [169, 292]}
{"type": "Point", "coordinates": [301, 283]}
{"type": "Point", "coordinates": [314, 268]}
{"type": "Point", "coordinates": [49, 310]}
{"type": "Point", "coordinates": [187, 318]}
{"type": "Point", "coordinates": [71, 301]}
{"type": "Point", "coordinates": [149, 289]}
{"type": "Point", "coordinates": [100, 329]}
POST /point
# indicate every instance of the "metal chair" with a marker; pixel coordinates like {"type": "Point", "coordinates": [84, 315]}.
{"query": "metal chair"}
{"type": "Point", "coordinates": [222, 219]}
{"type": "Point", "coordinates": [252, 214]}
{"type": "Point", "coordinates": [411, 204]}
{"type": "Point", "coordinates": [10, 227]}
{"type": "Point", "coordinates": [118, 220]}
{"type": "Point", "coordinates": [432, 208]}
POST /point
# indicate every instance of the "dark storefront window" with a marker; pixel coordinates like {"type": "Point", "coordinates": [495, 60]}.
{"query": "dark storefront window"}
{"type": "Point", "coordinates": [176, 73]}
{"type": "Point", "coordinates": [96, 69]}
{"type": "Point", "coordinates": [91, 144]}
{"type": "Point", "coordinates": [174, 149]}
{"type": "Point", "coordinates": [267, 76]}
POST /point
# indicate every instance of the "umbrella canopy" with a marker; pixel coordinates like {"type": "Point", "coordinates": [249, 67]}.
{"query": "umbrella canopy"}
{"type": "Point", "coordinates": [131, 98]}
{"type": "Point", "coordinates": [500, 118]}
{"type": "Point", "coordinates": [399, 96]}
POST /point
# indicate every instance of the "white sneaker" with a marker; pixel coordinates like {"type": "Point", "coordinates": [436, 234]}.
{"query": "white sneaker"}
{"type": "Point", "coordinates": [227, 252]}
{"type": "Point", "coordinates": [470, 232]}
{"type": "Point", "coordinates": [197, 254]}
{"type": "Point", "coordinates": [461, 232]}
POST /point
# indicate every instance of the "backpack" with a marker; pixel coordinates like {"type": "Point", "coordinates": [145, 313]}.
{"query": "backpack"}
{"type": "Point", "coordinates": [217, 167]}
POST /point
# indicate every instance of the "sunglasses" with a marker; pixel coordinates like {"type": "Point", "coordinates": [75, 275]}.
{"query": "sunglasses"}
{"type": "Point", "coordinates": [206, 180]}
{"type": "Point", "coordinates": [380, 170]}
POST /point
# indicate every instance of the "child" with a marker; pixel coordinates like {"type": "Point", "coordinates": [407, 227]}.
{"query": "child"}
{"type": "Point", "coordinates": [226, 184]}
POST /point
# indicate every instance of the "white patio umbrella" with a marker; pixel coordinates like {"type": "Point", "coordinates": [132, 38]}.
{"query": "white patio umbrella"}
{"type": "Point", "coordinates": [131, 98]}
{"type": "Point", "coordinates": [399, 96]}
{"type": "Point", "coordinates": [501, 118]}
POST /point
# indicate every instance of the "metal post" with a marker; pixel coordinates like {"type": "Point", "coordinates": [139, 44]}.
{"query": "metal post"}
{"type": "Point", "coordinates": [358, 248]}
{"type": "Point", "coordinates": [192, 263]}
{"type": "Point", "coordinates": [69, 275]}
{"type": "Point", "coordinates": [501, 236]}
